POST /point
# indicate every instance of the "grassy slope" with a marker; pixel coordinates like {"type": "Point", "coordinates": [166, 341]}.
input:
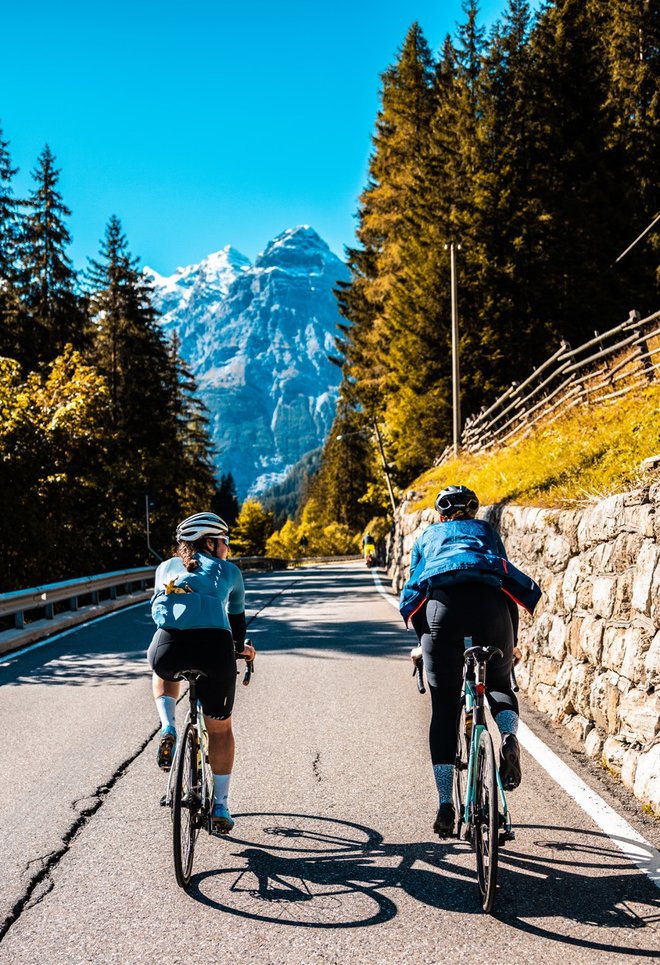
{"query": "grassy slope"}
{"type": "Point", "coordinates": [587, 454]}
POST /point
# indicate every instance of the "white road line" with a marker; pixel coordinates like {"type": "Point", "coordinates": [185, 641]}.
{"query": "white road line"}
{"type": "Point", "coordinates": [635, 847]}
{"type": "Point", "coordinates": [7, 657]}
{"type": "Point", "coordinates": [383, 592]}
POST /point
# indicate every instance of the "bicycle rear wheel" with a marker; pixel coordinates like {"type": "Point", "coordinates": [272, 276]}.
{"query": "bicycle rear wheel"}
{"type": "Point", "coordinates": [185, 806]}
{"type": "Point", "coordinates": [461, 770]}
{"type": "Point", "coordinates": [486, 821]}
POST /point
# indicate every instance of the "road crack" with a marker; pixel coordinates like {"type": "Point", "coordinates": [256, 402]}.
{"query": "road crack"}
{"type": "Point", "coordinates": [316, 767]}
{"type": "Point", "coordinates": [51, 860]}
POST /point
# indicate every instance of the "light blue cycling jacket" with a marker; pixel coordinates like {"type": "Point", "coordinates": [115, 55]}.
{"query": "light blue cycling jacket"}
{"type": "Point", "coordinates": [463, 551]}
{"type": "Point", "coordinates": [216, 589]}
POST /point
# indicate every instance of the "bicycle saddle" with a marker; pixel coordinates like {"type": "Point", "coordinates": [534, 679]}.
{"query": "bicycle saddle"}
{"type": "Point", "coordinates": [189, 674]}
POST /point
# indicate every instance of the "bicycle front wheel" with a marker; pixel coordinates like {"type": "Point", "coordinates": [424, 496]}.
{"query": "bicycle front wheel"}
{"type": "Point", "coordinates": [185, 806]}
{"type": "Point", "coordinates": [486, 820]}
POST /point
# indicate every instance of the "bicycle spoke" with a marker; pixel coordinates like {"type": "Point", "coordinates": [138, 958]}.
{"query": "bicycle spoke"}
{"type": "Point", "coordinates": [185, 806]}
{"type": "Point", "coordinates": [486, 821]}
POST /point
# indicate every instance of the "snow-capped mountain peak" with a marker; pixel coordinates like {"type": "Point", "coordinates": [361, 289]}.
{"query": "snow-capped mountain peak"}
{"type": "Point", "coordinates": [257, 340]}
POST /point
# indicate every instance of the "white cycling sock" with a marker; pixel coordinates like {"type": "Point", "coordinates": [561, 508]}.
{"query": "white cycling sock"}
{"type": "Point", "coordinates": [221, 788]}
{"type": "Point", "coordinates": [166, 707]}
{"type": "Point", "coordinates": [444, 781]}
{"type": "Point", "coordinates": [507, 722]}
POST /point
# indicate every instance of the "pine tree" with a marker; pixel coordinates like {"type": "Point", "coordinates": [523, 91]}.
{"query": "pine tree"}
{"type": "Point", "coordinates": [631, 43]}
{"type": "Point", "coordinates": [53, 314]}
{"type": "Point", "coordinates": [399, 143]}
{"type": "Point", "coordinates": [9, 226]}
{"type": "Point", "coordinates": [158, 432]}
{"type": "Point", "coordinates": [572, 175]}
{"type": "Point", "coordinates": [225, 502]}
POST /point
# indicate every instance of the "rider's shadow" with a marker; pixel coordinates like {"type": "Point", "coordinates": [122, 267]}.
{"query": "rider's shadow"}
{"type": "Point", "coordinates": [309, 871]}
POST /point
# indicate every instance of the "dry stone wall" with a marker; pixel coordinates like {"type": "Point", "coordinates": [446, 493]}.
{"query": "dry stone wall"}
{"type": "Point", "coordinates": [592, 649]}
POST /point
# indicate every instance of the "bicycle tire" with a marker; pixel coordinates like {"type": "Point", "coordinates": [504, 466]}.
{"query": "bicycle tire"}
{"type": "Point", "coordinates": [461, 769]}
{"type": "Point", "coordinates": [486, 831]}
{"type": "Point", "coordinates": [185, 807]}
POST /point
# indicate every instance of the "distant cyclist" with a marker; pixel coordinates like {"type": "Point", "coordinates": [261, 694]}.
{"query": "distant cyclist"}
{"type": "Point", "coordinates": [198, 606]}
{"type": "Point", "coordinates": [462, 585]}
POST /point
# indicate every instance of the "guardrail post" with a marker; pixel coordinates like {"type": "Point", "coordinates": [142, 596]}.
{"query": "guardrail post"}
{"type": "Point", "coordinates": [50, 611]}
{"type": "Point", "coordinates": [19, 620]}
{"type": "Point", "coordinates": [73, 603]}
{"type": "Point", "coordinates": [95, 597]}
{"type": "Point", "coordinates": [113, 592]}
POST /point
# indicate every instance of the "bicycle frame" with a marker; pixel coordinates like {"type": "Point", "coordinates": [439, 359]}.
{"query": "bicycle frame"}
{"type": "Point", "coordinates": [474, 692]}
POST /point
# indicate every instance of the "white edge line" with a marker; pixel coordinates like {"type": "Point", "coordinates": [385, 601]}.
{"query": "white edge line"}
{"type": "Point", "coordinates": [7, 657]}
{"type": "Point", "coordinates": [635, 847]}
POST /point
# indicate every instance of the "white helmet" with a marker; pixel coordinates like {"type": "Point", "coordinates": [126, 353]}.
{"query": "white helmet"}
{"type": "Point", "coordinates": [200, 525]}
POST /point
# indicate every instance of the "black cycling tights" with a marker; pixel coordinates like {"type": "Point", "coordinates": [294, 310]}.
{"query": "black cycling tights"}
{"type": "Point", "coordinates": [474, 610]}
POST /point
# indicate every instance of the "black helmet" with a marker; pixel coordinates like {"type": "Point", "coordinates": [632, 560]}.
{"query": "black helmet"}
{"type": "Point", "coordinates": [457, 501]}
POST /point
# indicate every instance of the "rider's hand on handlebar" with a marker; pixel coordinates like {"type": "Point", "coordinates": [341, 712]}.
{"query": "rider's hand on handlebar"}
{"type": "Point", "coordinates": [517, 656]}
{"type": "Point", "coordinates": [416, 654]}
{"type": "Point", "coordinates": [247, 653]}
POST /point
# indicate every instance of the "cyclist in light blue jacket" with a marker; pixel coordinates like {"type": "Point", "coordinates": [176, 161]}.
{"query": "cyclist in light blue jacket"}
{"type": "Point", "coordinates": [462, 585]}
{"type": "Point", "coordinates": [198, 606]}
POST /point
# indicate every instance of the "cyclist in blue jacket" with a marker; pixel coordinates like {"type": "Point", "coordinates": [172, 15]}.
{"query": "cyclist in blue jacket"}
{"type": "Point", "coordinates": [198, 606]}
{"type": "Point", "coordinates": [462, 585]}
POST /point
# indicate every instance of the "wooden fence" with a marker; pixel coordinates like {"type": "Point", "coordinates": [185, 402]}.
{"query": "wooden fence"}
{"type": "Point", "coordinates": [607, 367]}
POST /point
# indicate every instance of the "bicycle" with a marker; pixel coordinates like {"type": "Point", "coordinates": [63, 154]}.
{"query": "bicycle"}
{"type": "Point", "coordinates": [482, 815]}
{"type": "Point", "coordinates": [189, 791]}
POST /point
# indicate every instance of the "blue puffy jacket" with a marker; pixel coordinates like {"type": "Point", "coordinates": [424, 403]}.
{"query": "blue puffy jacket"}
{"type": "Point", "coordinates": [463, 551]}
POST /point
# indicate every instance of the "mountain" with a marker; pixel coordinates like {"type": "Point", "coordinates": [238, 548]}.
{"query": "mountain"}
{"type": "Point", "coordinates": [257, 338]}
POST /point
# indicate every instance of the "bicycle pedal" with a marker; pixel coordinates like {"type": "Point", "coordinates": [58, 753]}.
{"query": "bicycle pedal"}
{"type": "Point", "coordinates": [164, 802]}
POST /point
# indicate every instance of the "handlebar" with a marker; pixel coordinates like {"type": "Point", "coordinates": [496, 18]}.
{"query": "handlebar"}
{"type": "Point", "coordinates": [249, 664]}
{"type": "Point", "coordinates": [418, 672]}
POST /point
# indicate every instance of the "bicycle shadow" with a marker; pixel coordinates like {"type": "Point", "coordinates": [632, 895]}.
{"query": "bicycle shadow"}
{"type": "Point", "coordinates": [314, 872]}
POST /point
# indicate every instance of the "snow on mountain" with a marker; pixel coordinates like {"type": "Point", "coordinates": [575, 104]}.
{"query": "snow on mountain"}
{"type": "Point", "coordinates": [257, 339]}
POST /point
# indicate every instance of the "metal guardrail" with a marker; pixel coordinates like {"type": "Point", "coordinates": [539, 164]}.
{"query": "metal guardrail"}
{"type": "Point", "coordinates": [19, 602]}
{"type": "Point", "coordinates": [626, 359]}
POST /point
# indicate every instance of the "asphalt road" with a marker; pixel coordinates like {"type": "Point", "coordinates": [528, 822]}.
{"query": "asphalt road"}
{"type": "Point", "coordinates": [332, 859]}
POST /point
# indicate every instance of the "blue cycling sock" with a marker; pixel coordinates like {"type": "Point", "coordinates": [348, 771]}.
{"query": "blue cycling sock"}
{"type": "Point", "coordinates": [221, 788]}
{"type": "Point", "coordinates": [166, 707]}
{"type": "Point", "coordinates": [444, 781]}
{"type": "Point", "coordinates": [507, 722]}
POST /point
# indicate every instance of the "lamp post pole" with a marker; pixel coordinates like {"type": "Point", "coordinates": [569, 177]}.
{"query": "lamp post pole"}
{"type": "Point", "coordinates": [385, 466]}
{"type": "Point", "coordinates": [381, 452]}
{"type": "Point", "coordinates": [455, 366]}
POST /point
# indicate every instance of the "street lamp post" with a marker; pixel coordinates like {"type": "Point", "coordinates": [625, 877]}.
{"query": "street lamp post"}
{"type": "Point", "coordinates": [455, 367]}
{"type": "Point", "coordinates": [381, 452]}
{"type": "Point", "coordinates": [386, 469]}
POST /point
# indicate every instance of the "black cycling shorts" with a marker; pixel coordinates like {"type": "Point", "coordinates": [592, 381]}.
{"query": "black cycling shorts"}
{"type": "Point", "coordinates": [210, 650]}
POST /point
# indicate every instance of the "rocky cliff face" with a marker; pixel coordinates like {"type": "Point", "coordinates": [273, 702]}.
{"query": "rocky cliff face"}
{"type": "Point", "coordinates": [257, 338]}
{"type": "Point", "coordinates": [592, 650]}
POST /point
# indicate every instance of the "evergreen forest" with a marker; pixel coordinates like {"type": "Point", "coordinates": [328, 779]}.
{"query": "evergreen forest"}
{"type": "Point", "coordinates": [532, 149]}
{"type": "Point", "coordinates": [535, 149]}
{"type": "Point", "coordinates": [97, 410]}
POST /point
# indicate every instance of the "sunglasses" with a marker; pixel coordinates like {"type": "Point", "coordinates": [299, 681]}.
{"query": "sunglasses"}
{"type": "Point", "coordinates": [471, 505]}
{"type": "Point", "coordinates": [224, 539]}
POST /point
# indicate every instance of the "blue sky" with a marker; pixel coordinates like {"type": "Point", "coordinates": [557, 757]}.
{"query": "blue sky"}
{"type": "Point", "coordinates": [208, 125]}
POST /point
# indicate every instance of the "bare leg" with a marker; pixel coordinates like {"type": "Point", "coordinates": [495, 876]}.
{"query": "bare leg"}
{"type": "Point", "coordinates": [221, 745]}
{"type": "Point", "coordinates": [164, 688]}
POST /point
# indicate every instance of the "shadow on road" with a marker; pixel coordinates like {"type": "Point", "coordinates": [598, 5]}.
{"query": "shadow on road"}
{"type": "Point", "coordinates": [316, 872]}
{"type": "Point", "coordinates": [106, 652]}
